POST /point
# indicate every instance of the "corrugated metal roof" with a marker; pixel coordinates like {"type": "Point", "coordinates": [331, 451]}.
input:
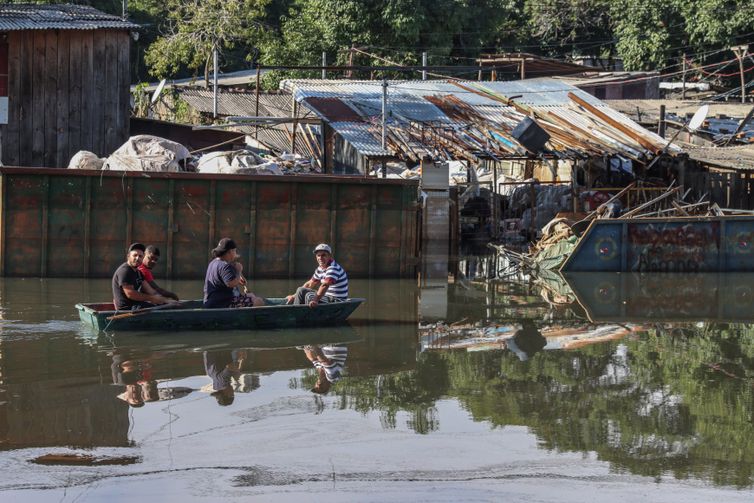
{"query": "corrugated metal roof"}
{"type": "Point", "coordinates": [15, 17]}
{"type": "Point", "coordinates": [241, 103]}
{"type": "Point", "coordinates": [358, 134]}
{"type": "Point", "coordinates": [425, 102]}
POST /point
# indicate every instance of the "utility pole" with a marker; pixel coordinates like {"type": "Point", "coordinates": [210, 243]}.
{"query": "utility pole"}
{"type": "Point", "coordinates": [324, 64]}
{"type": "Point", "coordinates": [125, 10]}
{"type": "Point", "coordinates": [256, 101]}
{"type": "Point", "coordinates": [683, 78]}
{"type": "Point", "coordinates": [424, 64]}
{"type": "Point", "coordinates": [741, 52]}
{"type": "Point", "coordinates": [214, 92]}
{"type": "Point", "coordinates": [384, 113]}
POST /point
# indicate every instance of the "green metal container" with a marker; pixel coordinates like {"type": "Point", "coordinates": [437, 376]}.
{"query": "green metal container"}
{"type": "Point", "coordinates": [78, 223]}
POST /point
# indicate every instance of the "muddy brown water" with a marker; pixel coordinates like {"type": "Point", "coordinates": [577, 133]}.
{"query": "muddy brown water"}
{"type": "Point", "coordinates": [474, 390]}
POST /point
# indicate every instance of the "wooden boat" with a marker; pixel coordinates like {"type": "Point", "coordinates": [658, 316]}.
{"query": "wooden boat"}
{"type": "Point", "coordinates": [190, 315]}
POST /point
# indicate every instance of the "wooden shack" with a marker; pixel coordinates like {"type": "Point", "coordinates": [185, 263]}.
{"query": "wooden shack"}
{"type": "Point", "coordinates": [64, 83]}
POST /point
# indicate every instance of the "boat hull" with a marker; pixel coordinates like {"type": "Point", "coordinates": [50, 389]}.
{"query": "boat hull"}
{"type": "Point", "coordinates": [192, 316]}
{"type": "Point", "coordinates": [688, 244]}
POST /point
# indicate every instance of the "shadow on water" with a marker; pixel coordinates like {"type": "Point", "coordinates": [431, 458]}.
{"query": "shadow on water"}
{"type": "Point", "coordinates": [651, 374]}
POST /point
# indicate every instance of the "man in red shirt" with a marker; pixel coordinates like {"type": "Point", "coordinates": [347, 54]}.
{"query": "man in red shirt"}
{"type": "Point", "coordinates": [151, 256]}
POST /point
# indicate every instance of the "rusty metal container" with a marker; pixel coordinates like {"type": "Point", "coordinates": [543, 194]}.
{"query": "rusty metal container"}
{"type": "Point", "coordinates": [77, 223]}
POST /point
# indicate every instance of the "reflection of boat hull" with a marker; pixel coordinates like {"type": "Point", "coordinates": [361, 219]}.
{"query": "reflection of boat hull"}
{"type": "Point", "coordinates": [691, 244]}
{"type": "Point", "coordinates": [193, 317]}
{"type": "Point", "coordinates": [665, 297]}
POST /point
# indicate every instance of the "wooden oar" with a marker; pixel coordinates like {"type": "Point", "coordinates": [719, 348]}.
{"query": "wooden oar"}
{"type": "Point", "coordinates": [143, 311]}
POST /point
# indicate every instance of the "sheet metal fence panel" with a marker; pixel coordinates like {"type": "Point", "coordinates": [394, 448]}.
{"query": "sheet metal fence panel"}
{"type": "Point", "coordinates": [701, 244]}
{"type": "Point", "coordinates": [75, 223]}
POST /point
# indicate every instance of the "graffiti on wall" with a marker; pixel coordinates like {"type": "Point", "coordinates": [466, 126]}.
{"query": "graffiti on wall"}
{"type": "Point", "coordinates": [673, 247]}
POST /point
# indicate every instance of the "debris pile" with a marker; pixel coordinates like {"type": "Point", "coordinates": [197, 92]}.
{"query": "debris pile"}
{"type": "Point", "coordinates": [155, 154]}
{"type": "Point", "coordinates": [560, 236]}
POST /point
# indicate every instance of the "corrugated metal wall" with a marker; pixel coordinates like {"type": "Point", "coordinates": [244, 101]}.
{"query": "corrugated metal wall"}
{"type": "Point", "coordinates": [70, 223]}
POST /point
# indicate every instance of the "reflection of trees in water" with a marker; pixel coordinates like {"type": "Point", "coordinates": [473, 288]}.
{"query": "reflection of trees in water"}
{"type": "Point", "coordinates": [677, 402]}
{"type": "Point", "coordinates": [414, 392]}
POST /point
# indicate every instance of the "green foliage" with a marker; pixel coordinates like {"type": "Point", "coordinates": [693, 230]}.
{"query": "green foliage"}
{"type": "Point", "coordinates": [193, 28]}
{"type": "Point", "coordinates": [582, 27]}
{"type": "Point", "coordinates": [141, 100]}
{"type": "Point", "coordinates": [177, 36]}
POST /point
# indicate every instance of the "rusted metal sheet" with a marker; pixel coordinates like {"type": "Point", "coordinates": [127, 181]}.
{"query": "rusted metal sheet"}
{"type": "Point", "coordinates": [76, 223]}
{"type": "Point", "coordinates": [694, 244]}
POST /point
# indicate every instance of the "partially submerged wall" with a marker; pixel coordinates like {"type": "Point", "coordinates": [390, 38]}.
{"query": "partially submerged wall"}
{"type": "Point", "coordinates": [76, 223]}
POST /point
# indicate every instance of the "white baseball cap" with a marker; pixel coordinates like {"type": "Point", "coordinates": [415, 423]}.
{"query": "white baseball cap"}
{"type": "Point", "coordinates": [323, 247]}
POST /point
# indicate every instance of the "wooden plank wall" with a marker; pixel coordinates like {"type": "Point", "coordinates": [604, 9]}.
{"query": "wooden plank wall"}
{"type": "Point", "coordinates": [68, 91]}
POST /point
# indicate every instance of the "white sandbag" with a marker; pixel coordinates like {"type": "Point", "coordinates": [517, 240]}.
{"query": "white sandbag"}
{"type": "Point", "coordinates": [83, 159]}
{"type": "Point", "coordinates": [147, 153]}
{"type": "Point", "coordinates": [215, 162]}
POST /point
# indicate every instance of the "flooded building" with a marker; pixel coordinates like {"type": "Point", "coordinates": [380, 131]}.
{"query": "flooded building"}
{"type": "Point", "coordinates": [64, 83]}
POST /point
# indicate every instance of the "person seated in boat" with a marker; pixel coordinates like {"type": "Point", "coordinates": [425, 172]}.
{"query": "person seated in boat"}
{"type": "Point", "coordinates": [329, 361]}
{"type": "Point", "coordinates": [130, 291]}
{"type": "Point", "coordinates": [224, 277]}
{"type": "Point", "coordinates": [151, 256]}
{"type": "Point", "coordinates": [329, 283]}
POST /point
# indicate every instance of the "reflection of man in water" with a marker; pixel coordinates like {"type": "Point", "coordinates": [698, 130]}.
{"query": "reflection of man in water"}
{"type": "Point", "coordinates": [136, 376]}
{"type": "Point", "coordinates": [526, 341]}
{"type": "Point", "coordinates": [329, 362]}
{"type": "Point", "coordinates": [221, 367]}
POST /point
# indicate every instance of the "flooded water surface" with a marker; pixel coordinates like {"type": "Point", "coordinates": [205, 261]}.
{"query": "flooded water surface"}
{"type": "Point", "coordinates": [617, 387]}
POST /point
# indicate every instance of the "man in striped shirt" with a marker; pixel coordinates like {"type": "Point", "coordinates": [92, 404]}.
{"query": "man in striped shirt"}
{"type": "Point", "coordinates": [328, 284]}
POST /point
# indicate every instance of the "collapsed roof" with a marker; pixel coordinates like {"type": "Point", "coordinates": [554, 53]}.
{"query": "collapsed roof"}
{"type": "Point", "coordinates": [473, 120]}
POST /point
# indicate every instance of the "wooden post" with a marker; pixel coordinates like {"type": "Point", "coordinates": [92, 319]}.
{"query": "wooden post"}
{"type": "Point", "coordinates": [294, 116]}
{"type": "Point", "coordinates": [741, 52]}
{"type": "Point", "coordinates": [661, 123]}
{"type": "Point", "coordinates": [523, 68]}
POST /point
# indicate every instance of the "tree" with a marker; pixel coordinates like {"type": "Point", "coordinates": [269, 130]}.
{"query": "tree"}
{"type": "Point", "coordinates": [572, 27]}
{"type": "Point", "coordinates": [194, 28]}
{"type": "Point", "coordinates": [396, 30]}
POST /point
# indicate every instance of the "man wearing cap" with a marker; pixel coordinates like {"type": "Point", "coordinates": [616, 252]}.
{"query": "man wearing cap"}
{"type": "Point", "coordinates": [151, 256]}
{"type": "Point", "coordinates": [328, 284]}
{"type": "Point", "coordinates": [130, 291]}
{"type": "Point", "coordinates": [224, 277]}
